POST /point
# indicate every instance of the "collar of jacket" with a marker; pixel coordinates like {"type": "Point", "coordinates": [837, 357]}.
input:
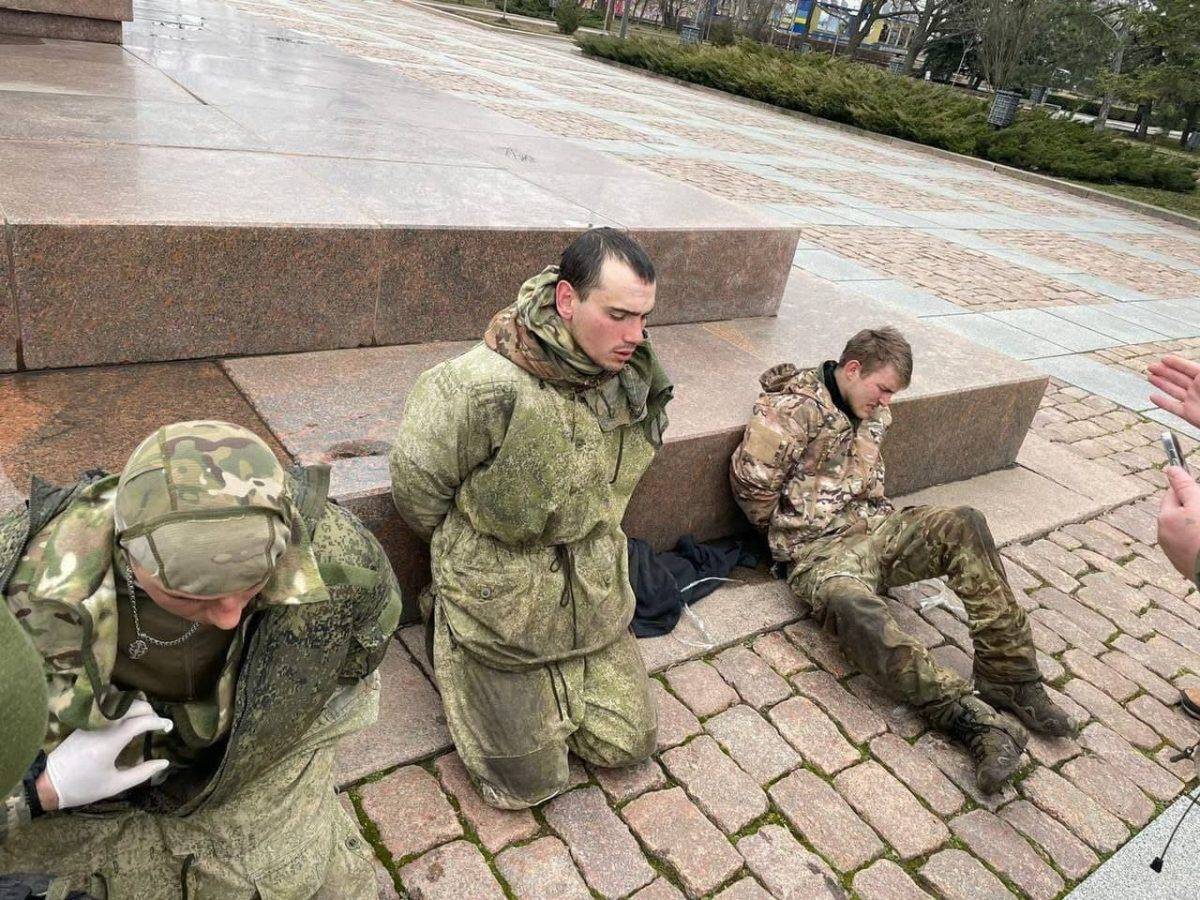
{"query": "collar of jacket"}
{"type": "Point", "coordinates": [787, 378]}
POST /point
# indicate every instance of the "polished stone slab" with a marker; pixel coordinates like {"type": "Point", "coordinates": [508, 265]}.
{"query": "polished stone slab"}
{"type": "Point", "coordinates": [74, 67]}
{"type": "Point", "coordinates": [1118, 385]}
{"type": "Point", "coordinates": [8, 327]}
{"type": "Point", "coordinates": [115, 10]}
{"type": "Point", "coordinates": [59, 424]}
{"type": "Point", "coordinates": [66, 28]}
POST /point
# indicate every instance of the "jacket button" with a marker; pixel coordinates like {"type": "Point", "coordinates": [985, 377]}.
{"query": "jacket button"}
{"type": "Point", "coordinates": [486, 593]}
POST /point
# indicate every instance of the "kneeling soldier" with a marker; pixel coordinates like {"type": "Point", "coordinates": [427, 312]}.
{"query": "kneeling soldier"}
{"type": "Point", "coordinates": [809, 472]}
{"type": "Point", "coordinates": [516, 461]}
{"type": "Point", "coordinates": [210, 626]}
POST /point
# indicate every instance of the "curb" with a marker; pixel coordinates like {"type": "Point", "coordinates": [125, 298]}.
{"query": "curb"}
{"type": "Point", "coordinates": [451, 14]}
{"type": "Point", "coordinates": [1086, 193]}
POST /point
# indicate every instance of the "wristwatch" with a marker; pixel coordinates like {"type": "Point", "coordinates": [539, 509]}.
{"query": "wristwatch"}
{"type": "Point", "coordinates": [29, 782]}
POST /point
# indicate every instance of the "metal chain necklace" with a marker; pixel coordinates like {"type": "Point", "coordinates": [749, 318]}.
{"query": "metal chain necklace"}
{"type": "Point", "coordinates": [140, 646]}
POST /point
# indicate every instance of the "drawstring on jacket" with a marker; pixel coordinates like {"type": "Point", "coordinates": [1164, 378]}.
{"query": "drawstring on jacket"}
{"type": "Point", "coordinates": [565, 562]}
{"type": "Point", "coordinates": [620, 454]}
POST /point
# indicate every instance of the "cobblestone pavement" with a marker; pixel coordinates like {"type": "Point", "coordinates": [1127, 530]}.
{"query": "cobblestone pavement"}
{"type": "Point", "coordinates": [781, 771]}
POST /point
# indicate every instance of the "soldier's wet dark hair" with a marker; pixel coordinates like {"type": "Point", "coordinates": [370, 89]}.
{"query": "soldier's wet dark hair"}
{"type": "Point", "coordinates": [878, 347]}
{"type": "Point", "coordinates": [582, 260]}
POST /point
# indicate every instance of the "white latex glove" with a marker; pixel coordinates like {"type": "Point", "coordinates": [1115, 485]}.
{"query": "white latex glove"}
{"type": "Point", "coordinates": [83, 768]}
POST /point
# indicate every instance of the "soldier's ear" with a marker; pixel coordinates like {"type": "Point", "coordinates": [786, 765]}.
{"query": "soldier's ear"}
{"type": "Point", "coordinates": [565, 298]}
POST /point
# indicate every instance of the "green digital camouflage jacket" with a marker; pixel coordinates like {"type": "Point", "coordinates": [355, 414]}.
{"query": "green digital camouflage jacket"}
{"type": "Point", "coordinates": [801, 472]}
{"type": "Point", "coordinates": [293, 657]}
{"type": "Point", "coordinates": [521, 495]}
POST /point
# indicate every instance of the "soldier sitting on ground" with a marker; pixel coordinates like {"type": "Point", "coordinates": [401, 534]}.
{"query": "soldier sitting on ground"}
{"type": "Point", "coordinates": [209, 626]}
{"type": "Point", "coordinates": [516, 461]}
{"type": "Point", "coordinates": [809, 472]}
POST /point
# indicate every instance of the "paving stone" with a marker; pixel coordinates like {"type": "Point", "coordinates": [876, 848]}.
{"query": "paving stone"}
{"type": "Point", "coordinates": [675, 721]}
{"type": "Point", "coordinates": [729, 796]}
{"type": "Point", "coordinates": [1158, 783]}
{"type": "Point", "coordinates": [1116, 601]}
{"type": "Point", "coordinates": [996, 842]}
{"type": "Point", "coordinates": [825, 820]}
{"type": "Point", "coordinates": [820, 646]}
{"type": "Point", "coordinates": [410, 811]}
{"type": "Point", "coordinates": [542, 870]}
{"type": "Point", "coordinates": [756, 682]}
{"type": "Point", "coordinates": [1096, 673]}
{"type": "Point", "coordinates": [1163, 665]}
{"type": "Point", "coordinates": [891, 809]}
{"type": "Point", "coordinates": [1174, 628]}
{"type": "Point", "coordinates": [957, 765]}
{"type": "Point", "coordinates": [1102, 564]}
{"type": "Point", "coordinates": [911, 622]}
{"type": "Point", "coordinates": [1180, 730]}
{"type": "Point", "coordinates": [782, 655]}
{"type": "Point", "coordinates": [1075, 809]}
{"type": "Point", "coordinates": [1089, 620]}
{"type": "Point", "coordinates": [1175, 656]}
{"type": "Point", "coordinates": [661, 889]}
{"type": "Point", "coordinates": [786, 868]}
{"type": "Point", "coordinates": [956, 875]}
{"type": "Point", "coordinates": [753, 743]}
{"type": "Point", "coordinates": [950, 626]}
{"type": "Point", "coordinates": [746, 889]}
{"type": "Point", "coordinates": [901, 718]}
{"type": "Point", "coordinates": [701, 688]}
{"type": "Point", "coordinates": [1137, 525]}
{"type": "Point", "coordinates": [809, 730]}
{"type": "Point", "coordinates": [951, 657]}
{"type": "Point", "coordinates": [855, 717]}
{"type": "Point", "coordinates": [627, 782]}
{"type": "Point", "coordinates": [451, 872]}
{"type": "Point", "coordinates": [601, 845]}
{"type": "Point", "coordinates": [1070, 854]}
{"type": "Point", "coordinates": [1136, 672]}
{"type": "Point", "coordinates": [1112, 714]}
{"type": "Point", "coordinates": [884, 880]}
{"type": "Point", "coordinates": [1101, 538]}
{"type": "Point", "coordinates": [1018, 578]}
{"type": "Point", "coordinates": [1068, 630]}
{"type": "Point", "coordinates": [1050, 667]}
{"type": "Point", "coordinates": [919, 773]}
{"type": "Point", "coordinates": [1183, 769]}
{"type": "Point", "coordinates": [1050, 751]}
{"type": "Point", "coordinates": [497, 828]}
{"type": "Point", "coordinates": [1160, 573]}
{"type": "Point", "coordinates": [678, 834]}
{"type": "Point", "coordinates": [1108, 787]}
{"type": "Point", "coordinates": [1046, 640]}
{"type": "Point", "coordinates": [1041, 567]}
{"type": "Point", "coordinates": [384, 882]}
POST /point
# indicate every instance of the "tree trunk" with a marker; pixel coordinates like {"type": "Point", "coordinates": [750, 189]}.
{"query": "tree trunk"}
{"type": "Point", "coordinates": [860, 24]}
{"type": "Point", "coordinates": [1102, 120]}
{"type": "Point", "coordinates": [920, 37]}
{"type": "Point", "coordinates": [1143, 120]}
{"type": "Point", "coordinates": [1192, 112]}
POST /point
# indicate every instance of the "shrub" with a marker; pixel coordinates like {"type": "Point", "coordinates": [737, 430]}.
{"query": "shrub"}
{"type": "Point", "coordinates": [536, 9]}
{"type": "Point", "coordinates": [936, 115]}
{"type": "Point", "coordinates": [721, 34]}
{"type": "Point", "coordinates": [568, 14]}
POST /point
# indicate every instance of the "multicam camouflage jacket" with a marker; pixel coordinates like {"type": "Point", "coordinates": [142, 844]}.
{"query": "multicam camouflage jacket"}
{"type": "Point", "coordinates": [293, 657]}
{"type": "Point", "coordinates": [802, 472]}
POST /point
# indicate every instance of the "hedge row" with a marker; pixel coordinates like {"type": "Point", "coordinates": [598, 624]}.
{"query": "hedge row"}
{"type": "Point", "coordinates": [870, 98]}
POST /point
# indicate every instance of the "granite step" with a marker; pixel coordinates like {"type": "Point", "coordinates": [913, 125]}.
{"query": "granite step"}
{"type": "Point", "coordinates": [190, 202]}
{"type": "Point", "coordinates": [966, 412]}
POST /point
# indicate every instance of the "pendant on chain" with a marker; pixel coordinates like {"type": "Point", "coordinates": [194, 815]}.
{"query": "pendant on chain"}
{"type": "Point", "coordinates": [138, 649]}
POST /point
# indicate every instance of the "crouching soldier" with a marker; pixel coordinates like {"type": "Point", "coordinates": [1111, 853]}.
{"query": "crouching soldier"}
{"type": "Point", "coordinates": [809, 472]}
{"type": "Point", "coordinates": [516, 461]}
{"type": "Point", "coordinates": [209, 626]}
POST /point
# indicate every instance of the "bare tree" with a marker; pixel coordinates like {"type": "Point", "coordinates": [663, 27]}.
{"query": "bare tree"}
{"type": "Point", "coordinates": [935, 18]}
{"type": "Point", "coordinates": [1003, 27]}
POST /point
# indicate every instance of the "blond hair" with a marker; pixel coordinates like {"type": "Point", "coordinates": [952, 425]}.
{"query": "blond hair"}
{"type": "Point", "coordinates": [875, 348]}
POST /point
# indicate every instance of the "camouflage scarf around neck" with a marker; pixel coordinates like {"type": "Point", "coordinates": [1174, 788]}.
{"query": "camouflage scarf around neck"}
{"type": "Point", "coordinates": [533, 336]}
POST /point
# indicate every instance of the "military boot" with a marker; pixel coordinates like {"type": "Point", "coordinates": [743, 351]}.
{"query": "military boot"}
{"type": "Point", "coordinates": [995, 743]}
{"type": "Point", "coordinates": [1027, 700]}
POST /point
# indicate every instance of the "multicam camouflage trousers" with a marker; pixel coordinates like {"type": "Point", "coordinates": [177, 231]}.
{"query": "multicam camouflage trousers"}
{"type": "Point", "coordinates": [840, 579]}
{"type": "Point", "coordinates": [513, 729]}
{"type": "Point", "coordinates": [285, 837]}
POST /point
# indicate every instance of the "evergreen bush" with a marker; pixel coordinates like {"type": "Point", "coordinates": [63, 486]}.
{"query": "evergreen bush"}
{"type": "Point", "coordinates": [568, 14]}
{"type": "Point", "coordinates": [936, 115]}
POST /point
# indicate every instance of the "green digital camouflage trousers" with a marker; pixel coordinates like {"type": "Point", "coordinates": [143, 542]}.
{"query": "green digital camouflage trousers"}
{"type": "Point", "coordinates": [285, 837]}
{"type": "Point", "coordinates": [513, 729]}
{"type": "Point", "coordinates": [841, 580]}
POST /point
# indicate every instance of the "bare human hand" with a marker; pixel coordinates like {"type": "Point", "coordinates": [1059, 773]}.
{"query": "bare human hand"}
{"type": "Point", "coordinates": [1179, 521]}
{"type": "Point", "coordinates": [1179, 381]}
